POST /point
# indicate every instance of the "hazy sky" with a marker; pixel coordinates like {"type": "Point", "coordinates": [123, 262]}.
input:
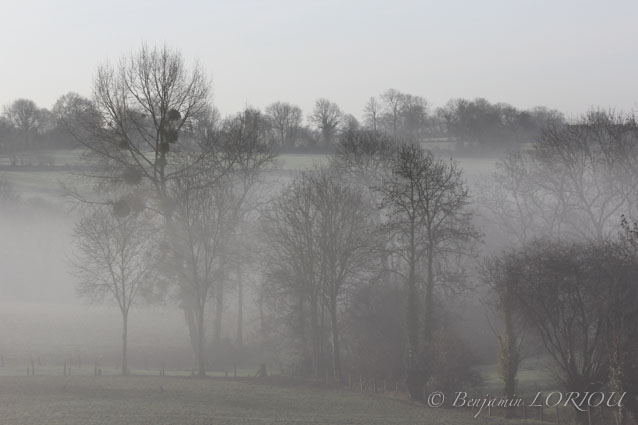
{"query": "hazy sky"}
{"type": "Point", "coordinates": [569, 55]}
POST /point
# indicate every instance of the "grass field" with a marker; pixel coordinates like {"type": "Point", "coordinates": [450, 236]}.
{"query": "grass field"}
{"type": "Point", "coordinates": [186, 401]}
{"type": "Point", "coordinates": [46, 182]}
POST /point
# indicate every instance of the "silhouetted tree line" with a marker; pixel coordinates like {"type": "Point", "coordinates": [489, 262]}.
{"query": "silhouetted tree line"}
{"type": "Point", "coordinates": [473, 126]}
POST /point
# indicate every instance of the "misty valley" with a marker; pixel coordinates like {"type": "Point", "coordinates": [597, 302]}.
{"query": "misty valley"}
{"type": "Point", "coordinates": [164, 263]}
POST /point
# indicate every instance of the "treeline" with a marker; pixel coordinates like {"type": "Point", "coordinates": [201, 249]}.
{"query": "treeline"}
{"type": "Point", "coordinates": [473, 126]}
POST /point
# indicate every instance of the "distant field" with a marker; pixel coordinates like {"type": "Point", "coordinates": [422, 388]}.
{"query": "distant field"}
{"type": "Point", "coordinates": [46, 182]}
{"type": "Point", "coordinates": [533, 375]}
{"type": "Point", "coordinates": [186, 401]}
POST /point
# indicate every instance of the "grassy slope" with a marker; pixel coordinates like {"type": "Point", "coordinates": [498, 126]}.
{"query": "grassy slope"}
{"type": "Point", "coordinates": [141, 400]}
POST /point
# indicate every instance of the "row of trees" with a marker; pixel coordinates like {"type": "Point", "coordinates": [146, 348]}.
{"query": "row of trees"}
{"type": "Point", "coordinates": [475, 125]}
{"type": "Point", "coordinates": [383, 219]}
{"type": "Point", "coordinates": [163, 163]}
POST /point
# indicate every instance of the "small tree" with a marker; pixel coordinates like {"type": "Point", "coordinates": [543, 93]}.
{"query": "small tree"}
{"type": "Point", "coordinates": [114, 261]}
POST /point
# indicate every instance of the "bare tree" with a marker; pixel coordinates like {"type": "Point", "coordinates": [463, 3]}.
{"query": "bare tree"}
{"type": "Point", "coordinates": [319, 236]}
{"type": "Point", "coordinates": [371, 113]}
{"type": "Point", "coordinates": [516, 207]}
{"type": "Point", "coordinates": [286, 120]}
{"type": "Point", "coordinates": [349, 123]}
{"type": "Point", "coordinates": [327, 117]}
{"type": "Point", "coordinates": [24, 115]}
{"type": "Point", "coordinates": [114, 260]}
{"type": "Point", "coordinates": [428, 224]}
{"type": "Point", "coordinates": [415, 119]}
{"type": "Point", "coordinates": [344, 246]}
{"type": "Point", "coordinates": [248, 139]}
{"type": "Point", "coordinates": [366, 153]}
{"type": "Point", "coordinates": [147, 111]}
{"type": "Point", "coordinates": [559, 295]}
{"type": "Point", "coordinates": [74, 113]}
{"type": "Point", "coordinates": [575, 181]}
{"type": "Point", "coordinates": [201, 238]}
{"type": "Point", "coordinates": [392, 105]}
{"type": "Point", "coordinates": [206, 219]}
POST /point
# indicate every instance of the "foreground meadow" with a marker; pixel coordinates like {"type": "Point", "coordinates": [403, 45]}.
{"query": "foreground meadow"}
{"type": "Point", "coordinates": [77, 400]}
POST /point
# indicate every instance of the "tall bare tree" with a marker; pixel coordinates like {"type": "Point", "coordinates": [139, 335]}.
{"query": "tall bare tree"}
{"type": "Point", "coordinates": [393, 101]}
{"type": "Point", "coordinates": [114, 260]}
{"type": "Point", "coordinates": [148, 110]}
{"type": "Point", "coordinates": [318, 233]}
{"type": "Point", "coordinates": [429, 224]}
{"type": "Point", "coordinates": [372, 114]}
{"type": "Point", "coordinates": [201, 231]}
{"type": "Point", "coordinates": [205, 224]}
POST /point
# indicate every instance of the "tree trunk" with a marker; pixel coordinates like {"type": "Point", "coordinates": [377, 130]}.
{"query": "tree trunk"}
{"type": "Point", "coordinates": [124, 343]}
{"type": "Point", "coordinates": [336, 355]}
{"type": "Point", "coordinates": [509, 358]}
{"type": "Point", "coordinates": [240, 311]}
{"type": "Point", "coordinates": [219, 308]}
{"type": "Point", "coordinates": [428, 325]}
{"type": "Point", "coordinates": [315, 337]}
{"type": "Point", "coordinates": [189, 316]}
{"type": "Point", "coordinates": [414, 374]}
{"type": "Point", "coordinates": [201, 363]}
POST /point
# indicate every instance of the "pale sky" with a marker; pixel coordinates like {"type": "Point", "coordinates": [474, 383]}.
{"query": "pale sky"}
{"type": "Point", "coordinates": [569, 55]}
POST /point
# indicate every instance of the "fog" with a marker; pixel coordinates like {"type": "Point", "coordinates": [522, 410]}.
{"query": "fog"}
{"type": "Point", "coordinates": [174, 252]}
